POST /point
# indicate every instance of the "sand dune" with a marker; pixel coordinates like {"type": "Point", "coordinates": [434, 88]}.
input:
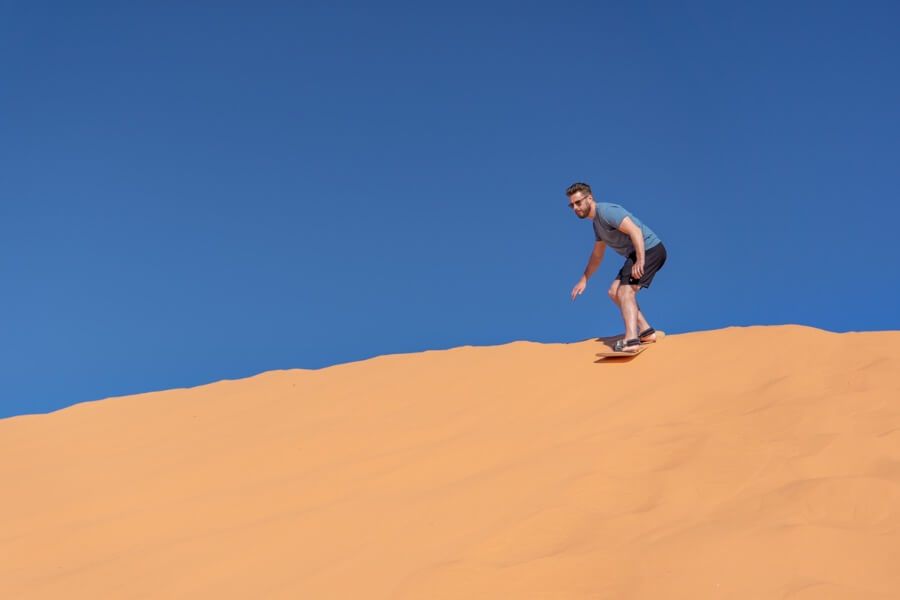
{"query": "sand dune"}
{"type": "Point", "coordinates": [759, 462]}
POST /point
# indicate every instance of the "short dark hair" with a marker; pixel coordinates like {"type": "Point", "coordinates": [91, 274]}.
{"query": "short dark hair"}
{"type": "Point", "coordinates": [578, 187]}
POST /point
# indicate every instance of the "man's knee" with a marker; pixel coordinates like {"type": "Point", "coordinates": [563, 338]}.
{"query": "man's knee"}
{"type": "Point", "coordinates": [613, 291]}
{"type": "Point", "coordinates": [625, 291]}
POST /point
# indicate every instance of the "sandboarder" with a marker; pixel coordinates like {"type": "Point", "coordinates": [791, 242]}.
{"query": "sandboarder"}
{"type": "Point", "coordinates": [644, 255]}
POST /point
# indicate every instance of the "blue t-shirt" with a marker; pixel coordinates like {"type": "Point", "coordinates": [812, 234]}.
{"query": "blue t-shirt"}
{"type": "Point", "coordinates": [606, 229]}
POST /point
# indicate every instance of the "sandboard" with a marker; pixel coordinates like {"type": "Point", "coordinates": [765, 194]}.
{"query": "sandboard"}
{"type": "Point", "coordinates": [609, 344]}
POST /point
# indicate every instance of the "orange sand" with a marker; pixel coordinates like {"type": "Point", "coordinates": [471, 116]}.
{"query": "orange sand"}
{"type": "Point", "coordinates": [759, 462]}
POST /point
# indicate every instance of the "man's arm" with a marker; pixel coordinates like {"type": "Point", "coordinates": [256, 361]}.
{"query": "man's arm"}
{"type": "Point", "coordinates": [637, 239]}
{"type": "Point", "coordinates": [628, 227]}
{"type": "Point", "coordinates": [595, 259]}
{"type": "Point", "coordinates": [593, 262]}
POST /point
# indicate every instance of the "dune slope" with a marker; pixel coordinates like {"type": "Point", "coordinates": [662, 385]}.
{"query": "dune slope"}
{"type": "Point", "coordinates": [758, 462]}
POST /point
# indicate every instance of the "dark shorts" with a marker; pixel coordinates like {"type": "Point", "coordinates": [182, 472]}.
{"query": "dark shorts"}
{"type": "Point", "coordinates": [654, 259]}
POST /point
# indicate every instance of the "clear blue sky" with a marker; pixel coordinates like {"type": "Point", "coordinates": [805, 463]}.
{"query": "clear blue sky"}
{"type": "Point", "coordinates": [191, 192]}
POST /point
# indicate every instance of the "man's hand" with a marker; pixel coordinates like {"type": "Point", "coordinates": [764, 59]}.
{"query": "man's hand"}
{"type": "Point", "coordinates": [579, 287]}
{"type": "Point", "coordinates": [637, 270]}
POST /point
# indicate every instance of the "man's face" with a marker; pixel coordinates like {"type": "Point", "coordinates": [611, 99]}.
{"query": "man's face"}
{"type": "Point", "coordinates": [580, 202]}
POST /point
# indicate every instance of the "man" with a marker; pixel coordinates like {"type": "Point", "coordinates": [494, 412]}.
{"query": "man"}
{"type": "Point", "coordinates": [644, 255]}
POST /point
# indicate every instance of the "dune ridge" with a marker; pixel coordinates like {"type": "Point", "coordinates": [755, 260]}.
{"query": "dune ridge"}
{"type": "Point", "coordinates": [746, 462]}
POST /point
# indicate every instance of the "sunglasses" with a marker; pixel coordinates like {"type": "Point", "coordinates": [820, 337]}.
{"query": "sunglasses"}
{"type": "Point", "coordinates": [578, 202]}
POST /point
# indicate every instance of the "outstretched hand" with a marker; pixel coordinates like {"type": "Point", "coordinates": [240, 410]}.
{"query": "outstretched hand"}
{"type": "Point", "coordinates": [579, 287]}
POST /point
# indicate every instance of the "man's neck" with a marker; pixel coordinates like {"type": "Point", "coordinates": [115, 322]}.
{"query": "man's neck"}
{"type": "Point", "coordinates": [593, 212]}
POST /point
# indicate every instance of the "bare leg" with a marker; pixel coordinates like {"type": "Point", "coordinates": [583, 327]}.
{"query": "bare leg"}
{"type": "Point", "coordinates": [643, 324]}
{"type": "Point", "coordinates": [627, 295]}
